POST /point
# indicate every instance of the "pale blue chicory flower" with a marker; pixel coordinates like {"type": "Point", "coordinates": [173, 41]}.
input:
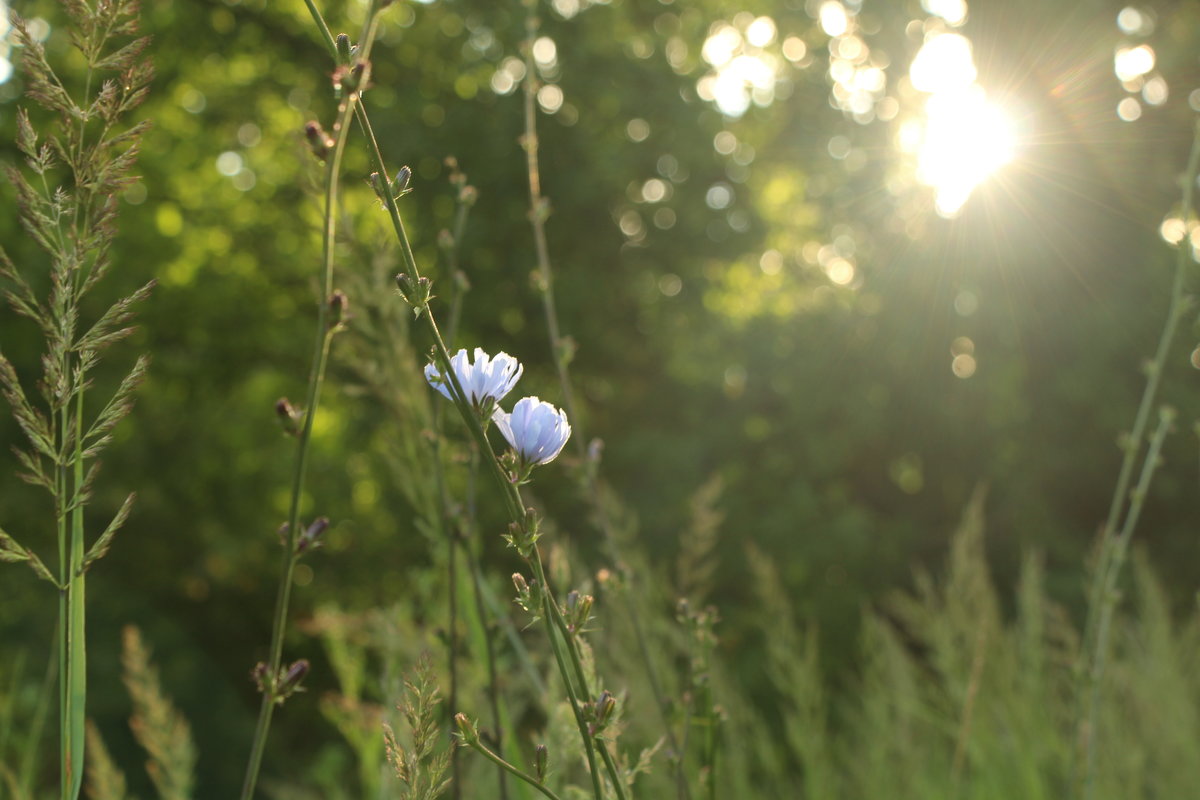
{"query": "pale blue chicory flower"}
{"type": "Point", "coordinates": [483, 381]}
{"type": "Point", "coordinates": [536, 430]}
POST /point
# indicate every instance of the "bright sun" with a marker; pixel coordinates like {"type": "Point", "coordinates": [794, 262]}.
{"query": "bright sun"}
{"type": "Point", "coordinates": [962, 137]}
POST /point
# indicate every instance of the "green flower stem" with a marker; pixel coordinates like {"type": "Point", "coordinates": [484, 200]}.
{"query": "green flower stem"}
{"type": "Point", "coordinates": [500, 762]}
{"type": "Point", "coordinates": [481, 610]}
{"type": "Point", "coordinates": [390, 204]}
{"type": "Point", "coordinates": [611, 765]}
{"type": "Point", "coordinates": [537, 219]}
{"type": "Point", "coordinates": [1101, 597]}
{"type": "Point", "coordinates": [511, 493]}
{"type": "Point", "coordinates": [456, 305]}
{"type": "Point", "coordinates": [313, 394]}
{"type": "Point", "coordinates": [585, 695]}
{"type": "Point", "coordinates": [549, 617]}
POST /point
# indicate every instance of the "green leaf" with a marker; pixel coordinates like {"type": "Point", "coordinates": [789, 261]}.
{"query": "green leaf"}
{"type": "Point", "coordinates": [74, 711]}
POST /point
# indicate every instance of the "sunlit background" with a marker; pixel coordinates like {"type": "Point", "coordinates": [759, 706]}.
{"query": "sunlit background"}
{"type": "Point", "coordinates": [844, 261]}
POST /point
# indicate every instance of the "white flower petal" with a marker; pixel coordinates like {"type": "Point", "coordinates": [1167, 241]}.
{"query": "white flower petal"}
{"type": "Point", "coordinates": [536, 430]}
{"type": "Point", "coordinates": [484, 379]}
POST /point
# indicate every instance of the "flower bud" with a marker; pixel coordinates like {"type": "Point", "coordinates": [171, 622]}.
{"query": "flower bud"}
{"type": "Point", "coordinates": [445, 239]}
{"type": "Point", "coordinates": [350, 78]}
{"type": "Point", "coordinates": [565, 352]}
{"type": "Point", "coordinates": [344, 50]}
{"type": "Point", "coordinates": [339, 309]}
{"type": "Point", "coordinates": [578, 611]}
{"type": "Point", "coordinates": [542, 211]}
{"type": "Point", "coordinates": [379, 186]}
{"type": "Point", "coordinates": [289, 416]}
{"type": "Point", "coordinates": [468, 195]}
{"type": "Point", "coordinates": [400, 183]}
{"type": "Point", "coordinates": [540, 758]}
{"type": "Point", "coordinates": [311, 538]}
{"type": "Point", "coordinates": [416, 293]}
{"type": "Point", "coordinates": [529, 595]}
{"type": "Point", "coordinates": [585, 610]}
{"type": "Point", "coordinates": [523, 536]}
{"type": "Point", "coordinates": [602, 711]}
{"type": "Point", "coordinates": [605, 705]}
{"type": "Point", "coordinates": [259, 676]}
{"type": "Point", "coordinates": [466, 729]}
{"type": "Point", "coordinates": [319, 142]}
{"type": "Point", "coordinates": [294, 675]}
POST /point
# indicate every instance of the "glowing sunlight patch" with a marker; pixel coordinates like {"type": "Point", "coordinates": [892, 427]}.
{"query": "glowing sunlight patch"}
{"type": "Point", "coordinates": [966, 138]}
{"type": "Point", "coordinates": [963, 137]}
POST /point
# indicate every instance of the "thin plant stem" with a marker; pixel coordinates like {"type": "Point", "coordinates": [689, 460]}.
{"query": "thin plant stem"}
{"type": "Point", "coordinates": [316, 379]}
{"type": "Point", "coordinates": [611, 765]}
{"type": "Point", "coordinates": [34, 735]}
{"type": "Point", "coordinates": [493, 671]}
{"type": "Point", "coordinates": [482, 612]}
{"type": "Point", "coordinates": [452, 590]}
{"type": "Point", "coordinates": [1132, 446]}
{"type": "Point", "coordinates": [538, 211]}
{"type": "Point", "coordinates": [443, 355]}
{"type": "Point", "coordinates": [76, 677]}
{"type": "Point", "coordinates": [64, 635]}
{"type": "Point", "coordinates": [516, 771]}
{"type": "Point", "coordinates": [443, 361]}
{"type": "Point", "coordinates": [550, 617]}
{"type": "Point", "coordinates": [1101, 599]}
{"type": "Point", "coordinates": [510, 492]}
{"type": "Point", "coordinates": [1111, 595]}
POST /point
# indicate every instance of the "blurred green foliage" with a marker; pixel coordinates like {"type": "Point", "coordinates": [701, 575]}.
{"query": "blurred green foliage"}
{"type": "Point", "coordinates": [846, 446]}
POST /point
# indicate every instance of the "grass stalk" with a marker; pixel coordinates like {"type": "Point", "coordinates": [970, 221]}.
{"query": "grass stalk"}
{"type": "Point", "coordinates": [493, 673]}
{"type": "Point", "coordinates": [550, 620]}
{"type": "Point", "coordinates": [560, 352]}
{"type": "Point", "coordinates": [479, 747]}
{"type": "Point", "coordinates": [75, 679]}
{"type": "Point", "coordinates": [312, 399]}
{"type": "Point", "coordinates": [510, 491]}
{"type": "Point", "coordinates": [1102, 599]}
{"type": "Point", "coordinates": [1111, 595]}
